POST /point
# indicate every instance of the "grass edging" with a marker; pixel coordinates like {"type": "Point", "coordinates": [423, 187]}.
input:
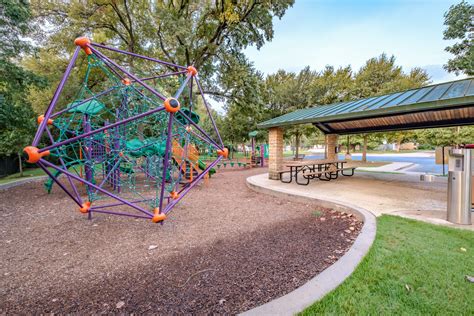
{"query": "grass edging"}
{"type": "Point", "coordinates": [413, 268]}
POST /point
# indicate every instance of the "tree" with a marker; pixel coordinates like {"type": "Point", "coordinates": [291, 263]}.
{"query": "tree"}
{"type": "Point", "coordinates": [364, 148]}
{"type": "Point", "coordinates": [243, 87]}
{"type": "Point", "coordinates": [332, 86]}
{"type": "Point", "coordinates": [287, 92]}
{"type": "Point", "coordinates": [207, 34]}
{"type": "Point", "coordinates": [450, 136]}
{"type": "Point", "coordinates": [16, 116]}
{"type": "Point", "coordinates": [459, 21]}
{"type": "Point", "coordinates": [17, 128]}
{"type": "Point", "coordinates": [381, 75]}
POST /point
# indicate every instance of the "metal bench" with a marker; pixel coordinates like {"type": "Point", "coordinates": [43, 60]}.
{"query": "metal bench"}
{"type": "Point", "coordinates": [328, 174]}
{"type": "Point", "coordinates": [281, 172]}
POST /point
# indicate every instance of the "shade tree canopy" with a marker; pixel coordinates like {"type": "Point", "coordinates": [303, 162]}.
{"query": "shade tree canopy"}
{"type": "Point", "coordinates": [459, 22]}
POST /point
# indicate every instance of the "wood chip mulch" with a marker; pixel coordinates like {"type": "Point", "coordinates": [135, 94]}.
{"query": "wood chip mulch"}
{"type": "Point", "coordinates": [224, 249]}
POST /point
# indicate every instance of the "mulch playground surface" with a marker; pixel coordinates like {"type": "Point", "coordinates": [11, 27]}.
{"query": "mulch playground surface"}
{"type": "Point", "coordinates": [224, 249]}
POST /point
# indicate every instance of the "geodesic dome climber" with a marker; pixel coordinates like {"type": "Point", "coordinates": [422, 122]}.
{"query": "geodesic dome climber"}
{"type": "Point", "coordinates": [133, 146]}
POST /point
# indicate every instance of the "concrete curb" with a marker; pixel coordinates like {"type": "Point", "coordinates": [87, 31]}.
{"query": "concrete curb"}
{"type": "Point", "coordinates": [316, 288]}
{"type": "Point", "coordinates": [22, 181]}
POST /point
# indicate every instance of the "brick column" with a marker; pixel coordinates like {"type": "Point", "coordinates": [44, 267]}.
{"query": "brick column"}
{"type": "Point", "coordinates": [275, 159]}
{"type": "Point", "coordinates": [331, 145]}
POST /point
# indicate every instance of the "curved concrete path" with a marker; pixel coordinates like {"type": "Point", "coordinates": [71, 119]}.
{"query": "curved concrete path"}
{"type": "Point", "coordinates": [380, 193]}
{"type": "Point", "coordinates": [329, 279]}
{"type": "Point", "coordinates": [15, 183]}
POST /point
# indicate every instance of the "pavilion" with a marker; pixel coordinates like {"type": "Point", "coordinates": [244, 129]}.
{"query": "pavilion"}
{"type": "Point", "coordinates": [439, 105]}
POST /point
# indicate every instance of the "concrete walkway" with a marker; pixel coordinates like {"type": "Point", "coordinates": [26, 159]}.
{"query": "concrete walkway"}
{"type": "Point", "coordinates": [396, 194]}
{"type": "Point", "coordinates": [15, 183]}
{"type": "Point", "coordinates": [391, 167]}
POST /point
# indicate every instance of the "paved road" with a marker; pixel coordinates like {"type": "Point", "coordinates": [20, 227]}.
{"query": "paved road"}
{"type": "Point", "coordinates": [422, 164]}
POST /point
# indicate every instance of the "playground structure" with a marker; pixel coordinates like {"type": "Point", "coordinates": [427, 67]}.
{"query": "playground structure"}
{"type": "Point", "coordinates": [125, 137]}
{"type": "Point", "coordinates": [258, 155]}
{"type": "Point", "coordinates": [259, 152]}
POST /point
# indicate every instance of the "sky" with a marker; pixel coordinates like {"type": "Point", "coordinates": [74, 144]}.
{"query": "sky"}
{"type": "Point", "coordinates": [343, 32]}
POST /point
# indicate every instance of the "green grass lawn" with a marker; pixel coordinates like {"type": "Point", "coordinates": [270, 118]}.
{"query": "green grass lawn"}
{"type": "Point", "coordinates": [28, 173]}
{"type": "Point", "coordinates": [413, 268]}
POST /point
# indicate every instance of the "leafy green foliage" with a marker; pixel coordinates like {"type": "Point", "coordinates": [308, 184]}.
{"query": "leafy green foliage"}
{"type": "Point", "coordinates": [16, 117]}
{"type": "Point", "coordinates": [445, 136]}
{"type": "Point", "coordinates": [14, 18]}
{"type": "Point", "coordinates": [459, 23]}
{"type": "Point", "coordinates": [16, 127]}
{"type": "Point", "coordinates": [207, 34]}
{"type": "Point", "coordinates": [381, 76]}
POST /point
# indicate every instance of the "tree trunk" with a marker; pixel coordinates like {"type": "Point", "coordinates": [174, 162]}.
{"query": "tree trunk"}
{"type": "Point", "coordinates": [458, 130]}
{"type": "Point", "coordinates": [325, 147]}
{"type": "Point", "coordinates": [364, 150]}
{"type": "Point", "coordinates": [348, 145]}
{"type": "Point", "coordinates": [20, 164]}
{"type": "Point", "coordinates": [297, 144]}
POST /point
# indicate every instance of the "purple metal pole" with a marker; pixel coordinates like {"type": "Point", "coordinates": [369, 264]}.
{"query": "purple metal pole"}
{"type": "Point", "coordinates": [199, 136]}
{"type": "Point", "coordinates": [165, 75]}
{"type": "Point", "coordinates": [64, 166]}
{"type": "Point", "coordinates": [110, 90]}
{"type": "Point", "coordinates": [57, 182]}
{"type": "Point", "coordinates": [108, 174]}
{"type": "Point", "coordinates": [183, 192]}
{"type": "Point", "coordinates": [117, 148]}
{"type": "Point", "coordinates": [87, 150]}
{"type": "Point", "coordinates": [117, 213]}
{"type": "Point", "coordinates": [52, 104]}
{"type": "Point", "coordinates": [165, 161]}
{"type": "Point", "coordinates": [83, 101]}
{"type": "Point", "coordinates": [209, 112]}
{"type": "Point", "coordinates": [108, 61]}
{"type": "Point", "coordinates": [147, 173]}
{"type": "Point", "coordinates": [70, 140]}
{"type": "Point", "coordinates": [180, 90]}
{"type": "Point", "coordinates": [128, 74]}
{"type": "Point", "coordinates": [137, 55]}
{"type": "Point", "coordinates": [199, 129]}
{"type": "Point", "coordinates": [118, 204]}
{"type": "Point", "coordinates": [191, 95]}
{"type": "Point", "coordinates": [47, 163]}
{"type": "Point", "coordinates": [109, 65]}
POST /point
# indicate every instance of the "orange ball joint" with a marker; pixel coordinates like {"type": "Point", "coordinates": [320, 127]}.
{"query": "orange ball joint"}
{"type": "Point", "coordinates": [41, 119]}
{"type": "Point", "coordinates": [224, 152]}
{"type": "Point", "coordinates": [33, 154]}
{"type": "Point", "coordinates": [172, 105]}
{"type": "Point", "coordinates": [126, 81]}
{"type": "Point", "coordinates": [158, 217]}
{"type": "Point", "coordinates": [84, 43]}
{"type": "Point", "coordinates": [86, 206]}
{"type": "Point", "coordinates": [174, 195]}
{"type": "Point", "coordinates": [192, 71]}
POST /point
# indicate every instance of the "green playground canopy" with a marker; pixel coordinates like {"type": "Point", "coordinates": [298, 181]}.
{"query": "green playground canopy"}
{"type": "Point", "coordinates": [91, 107]}
{"type": "Point", "coordinates": [253, 134]}
{"type": "Point", "coordinates": [438, 105]}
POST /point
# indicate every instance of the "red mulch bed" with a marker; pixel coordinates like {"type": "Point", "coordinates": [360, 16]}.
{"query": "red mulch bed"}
{"type": "Point", "coordinates": [224, 249]}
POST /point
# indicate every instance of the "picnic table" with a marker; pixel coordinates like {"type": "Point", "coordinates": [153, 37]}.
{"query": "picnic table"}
{"type": "Point", "coordinates": [322, 169]}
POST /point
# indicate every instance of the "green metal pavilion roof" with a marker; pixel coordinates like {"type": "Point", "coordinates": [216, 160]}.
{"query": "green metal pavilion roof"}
{"type": "Point", "coordinates": [443, 96]}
